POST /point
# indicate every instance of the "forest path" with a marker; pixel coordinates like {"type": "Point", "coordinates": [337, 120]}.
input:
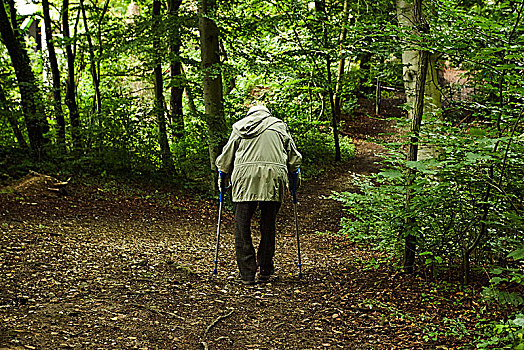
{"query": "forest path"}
{"type": "Point", "coordinates": [111, 267]}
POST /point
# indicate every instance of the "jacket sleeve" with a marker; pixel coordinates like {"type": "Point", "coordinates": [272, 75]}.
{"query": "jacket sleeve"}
{"type": "Point", "coordinates": [225, 161]}
{"type": "Point", "coordinates": [294, 158]}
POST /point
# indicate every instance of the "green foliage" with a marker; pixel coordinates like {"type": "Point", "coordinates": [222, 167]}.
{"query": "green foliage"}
{"type": "Point", "coordinates": [454, 328]}
{"type": "Point", "coordinates": [448, 193]}
{"type": "Point", "coordinates": [506, 289]}
{"type": "Point", "coordinates": [317, 149]}
{"type": "Point", "coordinates": [314, 139]}
{"type": "Point", "coordinates": [373, 214]}
{"type": "Point", "coordinates": [466, 196]}
{"type": "Point", "coordinates": [264, 62]}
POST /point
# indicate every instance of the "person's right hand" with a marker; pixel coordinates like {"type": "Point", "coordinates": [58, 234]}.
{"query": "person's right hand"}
{"type": "Point", "coordinates": [294, 180]}
{"type": "Point", "coordinates": [222, 181]}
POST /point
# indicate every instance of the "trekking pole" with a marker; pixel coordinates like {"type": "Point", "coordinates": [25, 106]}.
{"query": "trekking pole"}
{"type": "Point", "coordinates": [222, 176]}
{"type": "Point", "coordinates": [294, 181]}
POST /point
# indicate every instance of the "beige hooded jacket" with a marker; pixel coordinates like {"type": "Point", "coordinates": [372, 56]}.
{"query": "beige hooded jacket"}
{"type": "Point", "coordinates": [259, 154]}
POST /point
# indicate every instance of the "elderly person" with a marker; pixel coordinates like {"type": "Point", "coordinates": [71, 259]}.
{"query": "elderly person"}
{"type": "Point", "coordinates": [259, 156]}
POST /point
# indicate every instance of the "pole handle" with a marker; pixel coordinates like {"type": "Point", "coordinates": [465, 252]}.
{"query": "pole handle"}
{"type": "Point", "coordinates": [294, 182]}
{"type": "Point", "coordinates": [222, 186]}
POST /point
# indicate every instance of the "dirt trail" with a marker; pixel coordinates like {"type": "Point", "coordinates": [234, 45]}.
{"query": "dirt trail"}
{"type": "Point", "coordinates": [110, 268]}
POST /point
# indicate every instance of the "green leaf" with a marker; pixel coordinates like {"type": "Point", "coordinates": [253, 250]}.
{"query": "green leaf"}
{"type": "Point", "coordinates": [477, 132]}
{"type": "Point", "coordinates": [473, 156]}
{"type": "Point", "coordinates": [506, 66]}
{"type": "Point", "coordinates": [415, 165]}
{"type": "Point", "coordinates": [391, 173]}
{"type": "Point", "coordinates": [420, 166]}
{"type": "Point", "coordinates": [514, 299]}
{"type": "Point", "coordinates": [496, 280]}
{"type": "Point", "coordinates": [519, 320]}
{"type": "Point", "coordinates": [517, 254]}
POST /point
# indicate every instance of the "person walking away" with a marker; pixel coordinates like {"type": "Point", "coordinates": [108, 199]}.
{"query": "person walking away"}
{"type": "Point", "coordinates": [259, 156]}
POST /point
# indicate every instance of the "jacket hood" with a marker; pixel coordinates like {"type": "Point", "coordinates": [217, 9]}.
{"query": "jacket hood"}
{"type": "Point", "coordinates": [257, 120]}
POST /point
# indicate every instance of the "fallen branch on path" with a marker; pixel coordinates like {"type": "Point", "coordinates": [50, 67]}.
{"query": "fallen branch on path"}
{"type": "Point", "coordinates": [224, 338]}
{"type": "Point", "coordinates": [219, 318]}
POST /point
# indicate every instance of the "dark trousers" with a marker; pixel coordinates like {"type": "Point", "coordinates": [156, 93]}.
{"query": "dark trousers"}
{"type": "Point", "coordinates": [245, 252]}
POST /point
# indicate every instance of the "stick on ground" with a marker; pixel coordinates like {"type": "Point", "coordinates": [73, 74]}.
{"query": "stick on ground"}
{"type": "Point", "coordinates": [219, 318]}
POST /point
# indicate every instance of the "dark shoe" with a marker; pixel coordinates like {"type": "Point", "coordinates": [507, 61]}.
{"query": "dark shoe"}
{"type": "Point", "coordinates": [248, 282]}
{"type": "Point", "coordinates": [264, 278]}
{"type": "Point", "coordinates": [265, 275]}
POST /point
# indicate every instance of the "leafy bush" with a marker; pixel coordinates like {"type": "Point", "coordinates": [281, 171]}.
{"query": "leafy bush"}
{"type": "Point", "coordinates": [318, 148]}
{"type": "Point", "coordinates": [465, 198]}
{"type": "Point", "coordinates": [508, 334]}
{"type": "Point", "coordinates": [373, 214]}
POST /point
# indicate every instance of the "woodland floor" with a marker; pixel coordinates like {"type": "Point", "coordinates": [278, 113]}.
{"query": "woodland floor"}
{"type": "Point", "coordinates": [108, 266]}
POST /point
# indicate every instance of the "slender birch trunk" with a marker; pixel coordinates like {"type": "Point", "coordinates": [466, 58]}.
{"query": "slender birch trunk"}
{"type": "Point", "coordinates": [410, 246]}
{"type": "Point", "coordinates": [189, 94]}
{"type": "Point", "coordinates": [55, 72]}
{"type": "Point", "coordinates": [97, 100]}
{"type": "Point", "coordinates": [177, 82]}
{"type": "Point", "coordinates": [341, 60]}
{"type": "Point", "coordinates": [212, 82]}
{"type": "Point", "coordinates": [70, 95]}
{"type": "Point", "coordinates": [410, 58]}
{"type": "Point", "coordinates": [159, 90]}
{"type": "Point", "coordinates": [99, 36]}
{"type": "Point", "coordinates": [321, 9]}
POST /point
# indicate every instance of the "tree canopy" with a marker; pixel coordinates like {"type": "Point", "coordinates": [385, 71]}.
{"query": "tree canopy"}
{"type": "Point", "coordinates": [151, 89]}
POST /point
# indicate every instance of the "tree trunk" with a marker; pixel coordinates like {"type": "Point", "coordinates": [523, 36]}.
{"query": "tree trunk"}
{"type": "Point", "coordinates": [189, 95]}
{"type": "Point", "coordinates": [229, 79]}
{"type": "Point", "coordinates": [321, 8]}
{"type": "Point", "coordinates": [159, 111]}
{"type": "Point", "coordinates": [177, 78]}
{"type": "Point", "coordinates": [70, 95]}
{"type": "Point", "coordinates": [341, 60]}
{"type": "Point", "coordinates": [365, 69]}
{"type": "Point", "coordinates": [377, 97]}
{"type": "Point", "coordinates": [4, 109]}
{"type": "Point", "coordinates": [31, 102]}
{"type": "Point", "coordinates": [334, 117]}
{"type": "Point", "coordinates": [55, 72]}
{"type": "Point", "coordinates": [212, 82]}
{"type": "Point", "coordinates": [13, 16]}
{"type": "Point", "coordinates": [405, 16]}
{"type": "Point", "coordinates": [99, 35]}
{"type": "Point", "coordinates": [410, 246]}
{"type": "Point", "coordinates": [97, 100]}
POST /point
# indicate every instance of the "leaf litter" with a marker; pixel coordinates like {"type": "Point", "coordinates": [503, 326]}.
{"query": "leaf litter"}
{"type": "Point", "coordinates": [93, 268]}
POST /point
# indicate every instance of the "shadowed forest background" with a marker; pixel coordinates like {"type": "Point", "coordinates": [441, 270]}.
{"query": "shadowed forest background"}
{"type": "Point", "coordinates": [408, 115]}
